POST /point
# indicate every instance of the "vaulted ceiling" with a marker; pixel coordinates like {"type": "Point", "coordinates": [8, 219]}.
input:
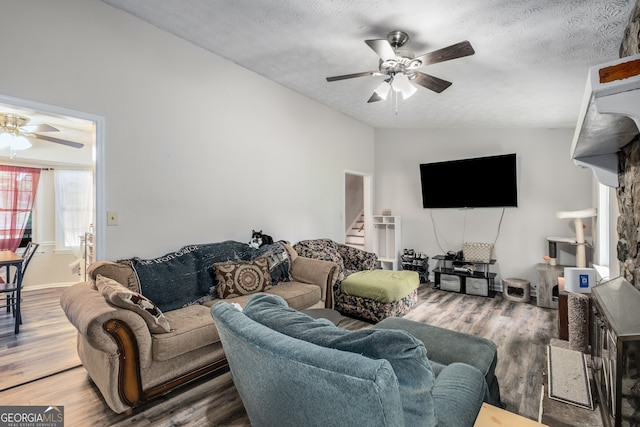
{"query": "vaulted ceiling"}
{"type": "Point", "coordinates": [529, 68]}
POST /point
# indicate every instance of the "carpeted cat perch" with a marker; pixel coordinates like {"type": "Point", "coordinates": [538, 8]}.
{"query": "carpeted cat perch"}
{"type": "Point", "coordinates": [578, 319]}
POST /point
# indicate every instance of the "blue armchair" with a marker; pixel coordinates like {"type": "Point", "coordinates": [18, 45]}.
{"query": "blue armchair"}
{"type": "Point", "coordinates": [292, 370]}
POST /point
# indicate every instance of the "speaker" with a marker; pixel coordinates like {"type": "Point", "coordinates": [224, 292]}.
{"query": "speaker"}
{"type": "Point", "coordinates": [579, 280]}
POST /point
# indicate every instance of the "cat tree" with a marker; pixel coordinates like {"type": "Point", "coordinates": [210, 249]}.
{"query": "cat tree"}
{"type": "Point", "coordinates": [579, 240]}
{"type": "Point", "coordinates": [577, 303]}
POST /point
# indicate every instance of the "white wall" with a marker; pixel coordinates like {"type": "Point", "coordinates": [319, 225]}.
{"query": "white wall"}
{"type": "Point", "coordinates": [548, 182]}
{"type": "Point", "coordinates": [197, 149]}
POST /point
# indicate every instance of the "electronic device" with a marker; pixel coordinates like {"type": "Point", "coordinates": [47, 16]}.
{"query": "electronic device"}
{"type": "Point", "coordinates": [492, 182]}
{"type": "Point", "coordinates": [453, 255]}
{"type": "Point", "coordinates": [579, 280]}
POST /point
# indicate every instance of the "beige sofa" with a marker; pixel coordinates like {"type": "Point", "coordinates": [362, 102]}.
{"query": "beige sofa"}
{"type": "Point", "coordinates": [130, 365]}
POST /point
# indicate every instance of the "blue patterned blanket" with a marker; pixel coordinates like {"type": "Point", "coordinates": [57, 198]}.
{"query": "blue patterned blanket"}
{"type": "Point", "coordinates": [186, 276]}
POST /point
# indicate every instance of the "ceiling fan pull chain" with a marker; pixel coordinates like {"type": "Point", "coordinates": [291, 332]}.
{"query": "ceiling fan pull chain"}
{"type": "Point", "coordinates": [396, 101]}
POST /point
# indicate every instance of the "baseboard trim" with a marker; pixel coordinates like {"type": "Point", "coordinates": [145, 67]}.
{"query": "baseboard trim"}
{"type": "Point", "coordinates": [48, 285]}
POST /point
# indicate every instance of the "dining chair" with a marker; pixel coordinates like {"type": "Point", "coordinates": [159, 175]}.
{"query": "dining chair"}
{"type": "Point", "coordinates": [10, 287]}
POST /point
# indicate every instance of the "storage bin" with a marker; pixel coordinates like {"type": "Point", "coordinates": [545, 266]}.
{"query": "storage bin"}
{"type": "Point", "coordinates": [477, 286]}
{"type": "Point", "coordinates": [479, 252]}
{"type": "Point", "coordinates": [449, 282]}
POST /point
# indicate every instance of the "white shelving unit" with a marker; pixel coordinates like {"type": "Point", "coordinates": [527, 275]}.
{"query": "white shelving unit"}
{"type": "Point", "coordinates": [387, 241]}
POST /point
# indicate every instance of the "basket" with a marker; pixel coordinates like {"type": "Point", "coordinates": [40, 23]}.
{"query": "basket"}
{"type": "Point", "coordinates": [477, 252]}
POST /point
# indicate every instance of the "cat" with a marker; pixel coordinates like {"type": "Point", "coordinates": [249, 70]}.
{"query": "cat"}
{"type": "Point", "coordinates": [259, 239]}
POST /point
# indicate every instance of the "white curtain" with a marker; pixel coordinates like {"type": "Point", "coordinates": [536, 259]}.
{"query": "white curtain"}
{"type": "Point", "coordinates": [74, 210]}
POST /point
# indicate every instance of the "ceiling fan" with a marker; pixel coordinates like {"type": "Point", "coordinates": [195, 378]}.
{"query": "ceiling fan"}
{"type": "Point", "coordinates": [401, 66]}
{"type": "Point", "coordinates": [15, 131]}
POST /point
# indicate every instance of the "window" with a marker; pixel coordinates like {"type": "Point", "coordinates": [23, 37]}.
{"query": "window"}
{"type": "Point", "coordinates": [603, 225]}
{"type": "Point", "coordinates": [74, 207]}
{"type": "Point", "coordinates": [18, 186]}
{"type": "Point", "coordinates": [603, 234]}
{"type": "Point", "coordinates": [27, 236]}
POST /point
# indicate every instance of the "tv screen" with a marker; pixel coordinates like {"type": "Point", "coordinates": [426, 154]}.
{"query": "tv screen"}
{"type": "Point", "coordinates": [481, 182]}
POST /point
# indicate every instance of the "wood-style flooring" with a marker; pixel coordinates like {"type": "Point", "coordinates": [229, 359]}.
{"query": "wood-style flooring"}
{"type": "Point", "coordinates": [45, 345]}
{"type": "Point", "coordinates": [40, 365]}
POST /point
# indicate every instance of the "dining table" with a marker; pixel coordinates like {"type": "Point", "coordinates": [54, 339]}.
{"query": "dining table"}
{"type": "Point", "coordinates": [10, 259]}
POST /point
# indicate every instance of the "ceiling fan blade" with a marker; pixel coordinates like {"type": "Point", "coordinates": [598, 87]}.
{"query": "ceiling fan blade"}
{"type": "Point", "coordinates": [40, 127]}
{"type": "Point", "coordinates": [382, 48]}
{"type": "Point", "coordinates": [454, 51]}
{"type": "Point", "coordinates": [430, 82]}
{"type": "Point", "coordinates": [59, 141]}
{"type": "Point", "coordinates": [351, 76]}
{"type": "Point", "coordinates": [375, 98]}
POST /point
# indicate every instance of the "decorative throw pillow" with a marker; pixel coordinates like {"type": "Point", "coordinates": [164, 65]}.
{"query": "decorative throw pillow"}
{"type": "Point", "coordinates": [120, 271]}
{"type": "Point", "coordinates": [242, 277]}
{"type": "Point", "coordinates": [279, 262]}
{"type": "Point", "coordinates": [123, 297]}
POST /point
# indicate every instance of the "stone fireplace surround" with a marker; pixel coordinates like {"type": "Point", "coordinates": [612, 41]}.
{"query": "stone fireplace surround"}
{"type": "Point", "coordinates": [628, 192]}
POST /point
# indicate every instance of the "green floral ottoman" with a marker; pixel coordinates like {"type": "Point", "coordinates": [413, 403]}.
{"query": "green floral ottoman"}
{"type": "Point", "coordinates": [377, 294]}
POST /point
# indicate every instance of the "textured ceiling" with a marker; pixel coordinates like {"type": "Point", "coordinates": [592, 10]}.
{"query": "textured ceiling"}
{"type": "Point", "coordinates": [529, 69]}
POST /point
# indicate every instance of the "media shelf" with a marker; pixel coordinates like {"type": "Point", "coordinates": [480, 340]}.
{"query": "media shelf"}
{"type": "Point", "coordinates": [478, 282]}
{"type": "Point", "coordinates": [386, 241]}
{"type": "Point", "coordinates": [416, 261]}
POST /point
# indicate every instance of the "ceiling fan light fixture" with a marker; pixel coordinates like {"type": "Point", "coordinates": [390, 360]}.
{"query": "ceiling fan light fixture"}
{"type": "Point", "coordinates": [383, 89]}
{"type": "Point", "coordinates": [10, 134]}
{"type": "Point", "coordinates": [20, 143]}
{"type": "Point", "coordinates": [6, 139]}
{"type": "Point", "coordinates": [400, 83]}
{"type": "Point", "coordinates": [407, 93]}
{"type": "Point", "coordinates": [15, 142]}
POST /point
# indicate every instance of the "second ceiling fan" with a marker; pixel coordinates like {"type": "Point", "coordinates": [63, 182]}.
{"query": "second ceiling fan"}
{"type": "Point", "coordinates": [15, 129]}
{"type": "Point", "coordinates": [401, 66]}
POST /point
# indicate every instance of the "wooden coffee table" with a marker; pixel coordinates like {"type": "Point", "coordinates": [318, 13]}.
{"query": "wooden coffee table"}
{"type": "Point", "coordinates": [324, 313]}
{"type": "Point", "coordinates": [492, 416]}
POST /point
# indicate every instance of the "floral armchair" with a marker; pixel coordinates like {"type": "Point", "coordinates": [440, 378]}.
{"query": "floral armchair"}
{"type": "Point", "coordinates": [356, 259]}
{"type": "Point", "coordinates": [348, 258]}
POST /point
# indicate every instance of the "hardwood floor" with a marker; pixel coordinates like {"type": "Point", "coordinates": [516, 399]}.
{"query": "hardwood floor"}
{"type": "Point", "coordinates": [46, 345]}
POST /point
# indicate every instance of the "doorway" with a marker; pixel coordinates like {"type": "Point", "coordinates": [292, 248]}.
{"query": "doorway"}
{"type": "Point", "coordinates": [63, 139]}
{"type": "Point", "coordinates": [358, 210]}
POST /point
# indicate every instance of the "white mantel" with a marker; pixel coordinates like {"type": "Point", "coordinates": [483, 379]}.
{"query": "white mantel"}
{"type": "Point", "coordinates": [609, 117]}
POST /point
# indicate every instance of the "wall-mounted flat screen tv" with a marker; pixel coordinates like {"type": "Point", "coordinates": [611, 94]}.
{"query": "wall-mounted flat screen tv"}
{"type": "Point", "coordinates": [481, 182]}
